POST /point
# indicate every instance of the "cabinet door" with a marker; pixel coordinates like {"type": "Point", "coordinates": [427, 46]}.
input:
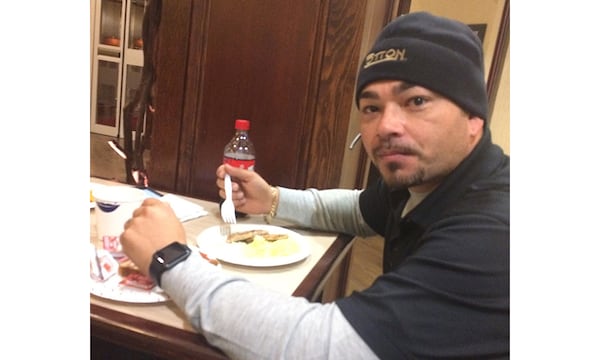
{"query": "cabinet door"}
{"type": "Point", "coordinates": [106, 100]}
{"type": "Point", "coordinates": [287, 66]}
{"type": "Point", "coordinates": [106, 67]}
{"type": "Point", "coordinates": [116, 61]}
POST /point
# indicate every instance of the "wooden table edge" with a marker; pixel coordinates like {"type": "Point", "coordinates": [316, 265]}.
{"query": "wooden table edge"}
{"type": "Point", "coordinates": [338, 252]}
{"type": "Point", "coordinates": [149, 336]}
{"type": "Point", "coordinates": [166, 341]}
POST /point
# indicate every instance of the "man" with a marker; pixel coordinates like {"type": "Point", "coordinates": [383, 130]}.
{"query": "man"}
{"type": "Point", "coordinates": [442, 204]}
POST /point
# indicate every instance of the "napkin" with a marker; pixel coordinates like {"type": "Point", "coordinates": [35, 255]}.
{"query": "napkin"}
{"type": "Point", "coordinates": [184, 209]}
{"type": "Point", "coordinates": [102, 265]}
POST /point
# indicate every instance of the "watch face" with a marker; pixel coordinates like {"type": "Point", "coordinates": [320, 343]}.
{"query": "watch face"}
{"type": "Point", "coordinates": [172, 252]}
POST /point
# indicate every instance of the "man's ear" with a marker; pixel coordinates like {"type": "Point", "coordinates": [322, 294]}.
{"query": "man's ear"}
{"type": "Point", "coordinates": [476, 124]}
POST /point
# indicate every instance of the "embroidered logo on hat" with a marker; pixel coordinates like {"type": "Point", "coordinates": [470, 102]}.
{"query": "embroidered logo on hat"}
{"type": "Point", "coordinates": [440, 54]}
{"type": "Point", "coordinates": [383, 56]}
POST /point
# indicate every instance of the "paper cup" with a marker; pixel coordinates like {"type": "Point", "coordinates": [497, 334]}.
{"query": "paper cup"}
{"type": "Point", "coordinates": [114, 206]}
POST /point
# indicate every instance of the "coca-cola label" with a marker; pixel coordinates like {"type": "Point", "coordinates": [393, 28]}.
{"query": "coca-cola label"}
{"type": "Point", "coordinates": [243, 164]}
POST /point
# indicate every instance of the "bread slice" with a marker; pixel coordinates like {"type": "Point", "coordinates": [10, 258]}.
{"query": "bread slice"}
{"type": "Point", "coordinates": [127, 267]}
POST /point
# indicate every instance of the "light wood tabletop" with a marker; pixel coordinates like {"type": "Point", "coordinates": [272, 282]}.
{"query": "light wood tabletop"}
{"type": "Point", "coordinates": [162, 329]}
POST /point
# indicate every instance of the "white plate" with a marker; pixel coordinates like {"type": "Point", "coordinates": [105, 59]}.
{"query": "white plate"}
{"type": "Point", "coordinates": [112, 290]}
{"type": "Point", "coordinates": [212, 242]}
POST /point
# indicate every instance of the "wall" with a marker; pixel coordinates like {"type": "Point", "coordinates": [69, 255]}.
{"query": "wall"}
{"type": "Point", "coordinates": [470, 12]}
{"type": "Point", "coordinates": [500, 121]}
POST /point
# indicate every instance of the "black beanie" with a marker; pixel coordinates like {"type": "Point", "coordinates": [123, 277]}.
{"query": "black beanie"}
{"type": "Point", "coordinates": [437, 53]}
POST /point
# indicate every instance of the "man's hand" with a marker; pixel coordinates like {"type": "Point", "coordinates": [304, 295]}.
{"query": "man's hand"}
{"type": "Point", "coordinates": [153, 226]}
{"type": "Point", "coordinates": [251, 193]}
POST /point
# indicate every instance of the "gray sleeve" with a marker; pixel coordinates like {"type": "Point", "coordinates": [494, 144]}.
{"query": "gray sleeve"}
{"type": "Point", "coordinates": [333, 210]}
{"type": "Point", "coordinates": [249, 322]}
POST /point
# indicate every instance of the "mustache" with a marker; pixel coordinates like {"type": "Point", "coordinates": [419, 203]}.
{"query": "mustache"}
{"type": "Point", "coordinates": [388, 146]}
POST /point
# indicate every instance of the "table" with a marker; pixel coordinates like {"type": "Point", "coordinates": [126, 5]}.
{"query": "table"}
{"type": "Point", "coordinates": [162, 329]}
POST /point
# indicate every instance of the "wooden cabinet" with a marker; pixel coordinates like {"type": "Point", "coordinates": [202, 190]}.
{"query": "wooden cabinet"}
{"type": "Point", "coordinates": [288, 66]}
{"type": "Point", "coordinates": [116, 65]}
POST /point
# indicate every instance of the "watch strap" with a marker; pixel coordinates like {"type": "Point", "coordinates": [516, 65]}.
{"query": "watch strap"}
{"type": "Point", "coordinates": [162, 262]}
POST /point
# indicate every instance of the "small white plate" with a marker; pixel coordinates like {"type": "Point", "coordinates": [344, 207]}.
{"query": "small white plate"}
{"type": "Point", "coordinates": [112, 290]}
{"type": "Point", "coordinates": [212, 242]}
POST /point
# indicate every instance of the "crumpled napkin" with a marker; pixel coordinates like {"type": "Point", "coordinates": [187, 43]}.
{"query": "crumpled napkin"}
{"type": "Point", "coordinates": [102, 264]}
{"type": "Point", "coordinates": [184, 209]}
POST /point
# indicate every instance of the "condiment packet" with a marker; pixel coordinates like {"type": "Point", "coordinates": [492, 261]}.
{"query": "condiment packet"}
{"type": "Point", "coordinates": [138, 281]}
{"type": "Point", "coordinates": [102, 264]}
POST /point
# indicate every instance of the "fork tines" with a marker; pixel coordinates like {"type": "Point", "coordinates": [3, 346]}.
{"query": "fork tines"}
{"type": "Point", "coordinates": [225, 229]}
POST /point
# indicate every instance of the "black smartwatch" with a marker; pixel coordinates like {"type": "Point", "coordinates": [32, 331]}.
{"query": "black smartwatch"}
{"type": "Point", "coordinates": [166, 258]}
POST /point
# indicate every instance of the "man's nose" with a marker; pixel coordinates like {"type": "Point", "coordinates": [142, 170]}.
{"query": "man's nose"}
{"type": "Point", "coordinates": [392, 121]}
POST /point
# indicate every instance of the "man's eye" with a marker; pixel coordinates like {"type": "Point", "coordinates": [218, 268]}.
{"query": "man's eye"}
{"type": "Point", "coordinates": [367, 109]}
{"type": "Point", "coordinates": [417, 100]}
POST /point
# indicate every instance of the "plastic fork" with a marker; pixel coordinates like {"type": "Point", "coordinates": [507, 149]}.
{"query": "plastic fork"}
{"type": "Point", "coordinates": [227, 208]}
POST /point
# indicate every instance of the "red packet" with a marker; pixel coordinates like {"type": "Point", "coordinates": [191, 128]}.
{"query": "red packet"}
{"type": "Point", "coordinates": [138, 281]}
{"type": "Point", "coordinates": [111, 243]}
{"type": "Point", "coordinates": [102, 265]}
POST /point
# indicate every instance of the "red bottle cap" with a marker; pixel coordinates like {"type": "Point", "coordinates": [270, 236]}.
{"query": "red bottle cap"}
{"type": "Point", "coordinates": [242, 124]}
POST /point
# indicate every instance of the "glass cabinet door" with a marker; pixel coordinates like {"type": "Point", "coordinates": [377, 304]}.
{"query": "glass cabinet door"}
{"type": "Point", "coordinates": [133, 36]}
{"type": "Point", "coordinates": [117, 62]}
{"type": "Point", "coordinates": [136, 18]}
{"type": "Point", "coordinates": [131, 82]}
{"type": "Point", "coordinates": [107, 95]}
{"type": "Point", "coordinates": [133, 58]}
{"type": "Point", "coordinates": [111, 24]}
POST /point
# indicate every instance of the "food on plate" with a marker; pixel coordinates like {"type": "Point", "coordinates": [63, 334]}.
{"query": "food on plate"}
{"type": "Point", "coordinates": [248, 236]}
{"type": "Point", "coordinates": [138, 281]}
{"type": "Point", "coordinates": [244, 236]}
{"type": "Point", "coordinates": [132, 276]}
{"type": "Point", "coordinates": [274, 237]}
{"type": "Point", "coordinates": [260, 247]}
{"type": "Point", "coordinates": [260, 243]}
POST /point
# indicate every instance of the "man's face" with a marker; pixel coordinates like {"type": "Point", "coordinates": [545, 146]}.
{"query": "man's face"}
{"type": "Point", "coordinates": [413, 135]}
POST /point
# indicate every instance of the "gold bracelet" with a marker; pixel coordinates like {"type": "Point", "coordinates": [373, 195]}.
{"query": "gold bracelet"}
{"type": "Point", "coordinates": [274, 204]}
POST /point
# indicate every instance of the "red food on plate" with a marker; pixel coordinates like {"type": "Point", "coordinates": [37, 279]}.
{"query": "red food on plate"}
{"type": "Point", "coordinates": [138, 281]}
{"type": "Point", "coordinates": [210, 260]}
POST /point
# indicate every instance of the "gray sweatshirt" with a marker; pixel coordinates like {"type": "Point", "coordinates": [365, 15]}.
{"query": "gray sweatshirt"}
{"type": "Point", "coordinates": [250, 322]}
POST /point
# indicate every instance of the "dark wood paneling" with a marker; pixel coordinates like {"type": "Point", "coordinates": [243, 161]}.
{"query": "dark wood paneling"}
{"type": "Point", "coordinates": [257, 67]}
{"type": "Point", "coordinates": [287, 66]}
{"type": "Point", "coordinates": [171, 60]}
{"type": "Point", "coordinates": [193, 92]}
{"type": "Point", "coordinates": [335, 93]}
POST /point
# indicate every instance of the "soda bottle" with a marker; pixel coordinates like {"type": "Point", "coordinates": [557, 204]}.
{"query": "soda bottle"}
{"type": "Point", "coordinates": [239, 151]}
